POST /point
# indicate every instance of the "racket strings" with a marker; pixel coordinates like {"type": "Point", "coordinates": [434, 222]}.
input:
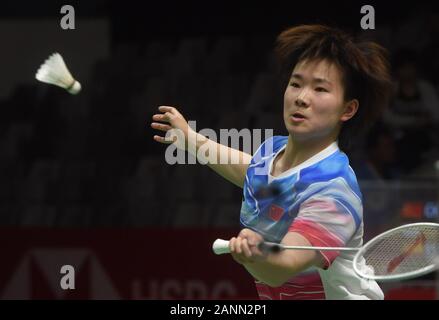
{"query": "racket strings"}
{"type": "Point", "coordinates": [404, 251]}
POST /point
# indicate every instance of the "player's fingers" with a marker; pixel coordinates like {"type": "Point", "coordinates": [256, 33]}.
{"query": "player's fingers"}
{"type": "Point", "coordinates": [238, 245]}
{"type": "Point", "coordinates": [165, 117]}
{"type": "Point", "coordinates": [168, 116]}
{"type": "Point", "coordinates": [169, 109]}
{"type": "Point", "coordinates": [243, 233]}
{"type": "Point", "coordinates": [162, 140]}
{"type": "Point", "coordinates": [236, 256]}
{"type": "Point", "coordinates": [247, 234]}
{"type": "Point", "coordinates": [246, 248]}
{"type": "Point", "coordinates": [232, 245]}
{"type": "Point", "coordinates": [251, 237]}
{"type": "Point", "coordinates": [160, 117]}
{"type": "Point", "coordinates": [172, 110]}
{"type": "Point", "coordinates": [160, 126]}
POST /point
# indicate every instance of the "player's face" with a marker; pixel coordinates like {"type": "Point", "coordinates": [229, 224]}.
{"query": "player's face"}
{"type": "Point", "coordinates": [314, 106]}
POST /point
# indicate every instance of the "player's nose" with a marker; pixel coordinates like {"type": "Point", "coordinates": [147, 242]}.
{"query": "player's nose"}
{"type": "Point", "coordinates": [302, 99]}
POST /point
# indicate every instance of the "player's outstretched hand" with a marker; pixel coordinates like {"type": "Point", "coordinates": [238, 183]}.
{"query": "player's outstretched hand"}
{"type": "Point", "coordinates": [173, 124]}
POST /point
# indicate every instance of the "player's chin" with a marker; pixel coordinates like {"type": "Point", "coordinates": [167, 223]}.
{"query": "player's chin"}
{"type": "Point", "coordinates": [297, 130]}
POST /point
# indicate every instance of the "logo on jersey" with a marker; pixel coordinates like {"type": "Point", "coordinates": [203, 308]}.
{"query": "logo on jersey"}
{"type": "Point", "coordinates": [276, 212]}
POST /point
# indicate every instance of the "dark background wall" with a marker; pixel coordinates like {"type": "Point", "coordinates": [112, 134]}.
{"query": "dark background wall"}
{"type": "Point", "coordinates": [83, 183]}
{"type": "Point", "coordinates": [89, 160]}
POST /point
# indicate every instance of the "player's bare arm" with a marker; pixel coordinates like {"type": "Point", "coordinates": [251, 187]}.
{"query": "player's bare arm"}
{"type": "Point", "coordinates": [234, 171]}
{"type": "Point", "coordinates": [273, 269]}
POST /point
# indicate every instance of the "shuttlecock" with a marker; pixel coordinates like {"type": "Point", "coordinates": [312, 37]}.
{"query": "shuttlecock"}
{"type": "Point", "coordinates": [54, 71]}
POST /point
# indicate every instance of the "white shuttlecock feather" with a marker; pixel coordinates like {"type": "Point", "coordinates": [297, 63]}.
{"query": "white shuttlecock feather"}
{"type": "Point", "coordinates": [54, 71]}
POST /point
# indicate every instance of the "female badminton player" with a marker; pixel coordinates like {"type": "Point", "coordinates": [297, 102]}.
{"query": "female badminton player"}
{"type": "Point", "coordinates": [335, 87]}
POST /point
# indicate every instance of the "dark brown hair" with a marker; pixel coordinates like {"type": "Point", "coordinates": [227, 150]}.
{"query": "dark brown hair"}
{"type": "Point", "coordinates": [364, 66]}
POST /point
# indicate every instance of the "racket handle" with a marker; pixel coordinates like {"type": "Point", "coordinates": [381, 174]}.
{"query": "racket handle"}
{"type": "Point", "coordinates": [220, 246]}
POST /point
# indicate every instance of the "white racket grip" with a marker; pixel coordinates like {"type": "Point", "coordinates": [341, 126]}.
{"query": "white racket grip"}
{"type": "Point", "coordinates": [220, 246]}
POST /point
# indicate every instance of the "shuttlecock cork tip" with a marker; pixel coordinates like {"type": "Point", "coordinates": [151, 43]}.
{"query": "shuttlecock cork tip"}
{"type": "Point", "coordinates": [75, 88]}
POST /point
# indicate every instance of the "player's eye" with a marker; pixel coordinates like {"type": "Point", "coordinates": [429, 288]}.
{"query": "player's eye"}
{"type": "Point", "coordinates": [321, 89]}
{"type": "Point", "coordinates": [295, 85]}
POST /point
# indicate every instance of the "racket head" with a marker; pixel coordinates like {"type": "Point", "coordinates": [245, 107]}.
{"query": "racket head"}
{"type": "Point", "coordinates": [405, 252]}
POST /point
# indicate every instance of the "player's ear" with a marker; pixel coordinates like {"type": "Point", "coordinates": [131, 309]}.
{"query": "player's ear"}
{"type": "Point", "coordinates": [349, 110]}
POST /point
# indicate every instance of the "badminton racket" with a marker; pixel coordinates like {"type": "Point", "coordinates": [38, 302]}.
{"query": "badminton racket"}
{"type": "Point", "coordinates": [405, 252]}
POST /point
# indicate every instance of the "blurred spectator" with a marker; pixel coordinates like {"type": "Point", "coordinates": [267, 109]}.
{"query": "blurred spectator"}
{"type": "Point", "coordinates": [377, 170]}
{"type": "Point", "coordinates": [413, 113]}
{"type": "Point", "coordinates": [430, 54]}
{"type": "Point", "coordinates": [379, 162]}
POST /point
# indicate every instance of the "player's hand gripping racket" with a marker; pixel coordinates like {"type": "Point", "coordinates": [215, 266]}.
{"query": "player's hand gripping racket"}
{"type": "Point", "coordinates": [404, 252]}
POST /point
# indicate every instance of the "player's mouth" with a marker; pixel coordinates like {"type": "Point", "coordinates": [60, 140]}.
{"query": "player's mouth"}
{"type": "Point", "coordinates": [297, 117]}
